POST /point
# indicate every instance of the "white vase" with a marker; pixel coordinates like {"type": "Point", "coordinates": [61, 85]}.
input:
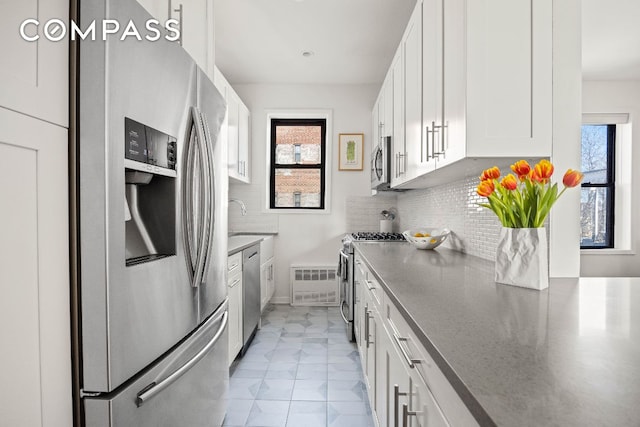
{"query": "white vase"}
{"type": "Point", "coordinates": [522, 258]}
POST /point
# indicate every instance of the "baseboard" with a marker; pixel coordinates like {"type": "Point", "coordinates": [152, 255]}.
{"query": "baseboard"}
{"type": "Point", "coordinates": [280, 300]}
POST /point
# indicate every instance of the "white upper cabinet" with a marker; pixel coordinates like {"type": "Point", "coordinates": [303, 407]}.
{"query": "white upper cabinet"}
{"type": "Point", "coordinates": [34, 75]}
{"type": "Point", "coordinates": [195, 19]}
{"type": "Point", "coordinates": [397, 138]}
{"type": "Point", "coordinates": [409, 160]}
{"type": "Point", "coordinates": [235, 131]}
{"type": "Point", "coordinates": [470, 92]}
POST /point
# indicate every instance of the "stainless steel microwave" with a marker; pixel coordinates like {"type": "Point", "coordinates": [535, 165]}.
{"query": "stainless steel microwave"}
{"type": "Point", "coordinates": [381, 165]}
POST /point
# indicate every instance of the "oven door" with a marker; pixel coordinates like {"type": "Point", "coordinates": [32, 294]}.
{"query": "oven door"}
{"type": "Point", "coordinates": [346, 292]}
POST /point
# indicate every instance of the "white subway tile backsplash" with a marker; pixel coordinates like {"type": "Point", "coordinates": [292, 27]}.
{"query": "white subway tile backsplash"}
{"type": "Point", "coordinates": [474, 229]}
{"type": "Point", "coordinates": [363, 212]}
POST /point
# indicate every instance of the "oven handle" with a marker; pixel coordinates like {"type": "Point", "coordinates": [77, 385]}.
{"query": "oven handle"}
{"type": "Point", "coordinates": [342, 304]}
{"type": "Point", "coordinates": [344, 274]}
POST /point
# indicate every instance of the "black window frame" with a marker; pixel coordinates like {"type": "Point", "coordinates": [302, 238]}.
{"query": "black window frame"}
{"type": "Point", "coordinates": [610, 185]}
{"type": "Point", "coordinates": [275, 123]}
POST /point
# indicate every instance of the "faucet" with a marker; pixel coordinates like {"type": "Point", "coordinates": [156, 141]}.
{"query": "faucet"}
{"type": "Point", "coordinates": [243, 208]}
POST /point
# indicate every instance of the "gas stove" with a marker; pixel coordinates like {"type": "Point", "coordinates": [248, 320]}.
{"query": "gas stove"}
{"type": "Point", "coordinates": [374, 236]}
{"type": "Point", "coordinates": [346, 269]}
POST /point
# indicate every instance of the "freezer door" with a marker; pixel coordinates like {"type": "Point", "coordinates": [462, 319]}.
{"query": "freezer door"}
{"type": "Point", "coordinates": [212, 107]}
{"type": "Point", "coordinates": [130, 314]}
{"type": "Point", "coordinates": [187, 387]}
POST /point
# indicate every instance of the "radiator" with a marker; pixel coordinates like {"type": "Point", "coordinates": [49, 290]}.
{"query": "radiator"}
{"type": "Point", "coordinates": [315, 285]}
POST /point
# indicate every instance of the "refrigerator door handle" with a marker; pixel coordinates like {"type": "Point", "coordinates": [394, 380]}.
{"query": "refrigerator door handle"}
{"type": "Point", "coordinates": [187, 203]}
{"type": "Point", "coordinates": [204, 193]}
{"type": "Point", "coordinates": [210, 206]}
{"type": "Point", "coordinates": [154, 388]}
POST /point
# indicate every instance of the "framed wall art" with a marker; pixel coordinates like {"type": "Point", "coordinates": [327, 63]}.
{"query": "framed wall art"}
{"type": "Point", "coordinates": [351, 151]}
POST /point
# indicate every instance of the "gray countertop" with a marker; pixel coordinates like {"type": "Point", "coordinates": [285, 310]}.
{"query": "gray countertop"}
{"type": "Point", "coordinates": [240, 242]}
{"type": "Point", "coordinates": [565, 356]}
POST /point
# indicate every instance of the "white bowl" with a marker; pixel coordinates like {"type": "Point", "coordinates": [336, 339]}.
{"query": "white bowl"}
{"type": "Point", "coordinates": [435, 236]}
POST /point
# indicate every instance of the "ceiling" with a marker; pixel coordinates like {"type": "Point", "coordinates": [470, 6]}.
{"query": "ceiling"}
{"type": "Point", "coordinates": [353, 41]}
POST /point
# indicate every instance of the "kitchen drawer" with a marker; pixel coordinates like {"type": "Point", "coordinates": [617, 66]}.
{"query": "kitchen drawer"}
{"type": "Point", "coordinates": [369, 283]}
{"type": "Point", "coordinates": [234, 263]}
{"type": "Point", "coordinates": [407, 342]}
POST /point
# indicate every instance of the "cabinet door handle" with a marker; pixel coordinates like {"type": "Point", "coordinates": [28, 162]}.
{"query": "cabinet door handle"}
{"type": "Point", "coordinates": [396, 403]}
{"type": "Point", "coordinates": [370, 285]}
{"type": "Point", "coordinates": [406, 413]}
{"type": "Point", "coordinates": [410, 361]}
{"type": "Point", "coordinates": [366, 326]}
{"type": "Point", "coordinates": [402, 159]}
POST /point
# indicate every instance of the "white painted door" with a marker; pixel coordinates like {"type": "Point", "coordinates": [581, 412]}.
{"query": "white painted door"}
{"type": "Point", "coordinates": [397, 140]}
{"type": "Point", "coordinates": [432, 74]}
{"type": "Point", "coordinates": [509, 79]}
{"type": "Point", "coordinates": [196, 18]}
{"type": "Point", "coordinates": [244, 146]}
{"type": "Point", "coordinates": [35, 381]}
{"type": "Point", "coordinates": [412, 52]}
{"type": "Point", "coordinates": [35, 74]}
{"type": "Point", "coordinates": [232, 133]}
{"type": "Point", "coordinates": [197, 30]}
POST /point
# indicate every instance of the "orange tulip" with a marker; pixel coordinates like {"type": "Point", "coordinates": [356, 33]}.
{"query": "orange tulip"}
{"type": "Point", "coordinates": [542, 171]}
{"type": "Point", "coordinates": [572, 178]}
{"type": "Point", "coordinates": [491, 173]}
{"type": "Point", "coordinates": [521, 168]}
{"type": "Point", "coordinates": [509, 182]}
{"type": "Point", "coordinates": [486, 188]}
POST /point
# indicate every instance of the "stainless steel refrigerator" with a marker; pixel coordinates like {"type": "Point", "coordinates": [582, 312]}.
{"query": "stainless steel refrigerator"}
{"type": "Point", "coordinates": [151, 334]}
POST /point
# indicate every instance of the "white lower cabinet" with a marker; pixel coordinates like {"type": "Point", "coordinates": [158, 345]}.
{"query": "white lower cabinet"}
{"type": "Point", "coordinates": [405, 386]}
{"type": "Point", "coordinates": [267, 284]}
{"type": "Point", "coordinates": [267, 277]}
{"type": "Point", "coordinates": [35, 381]}
{"type": "Point", "coordinates": [234, 281]}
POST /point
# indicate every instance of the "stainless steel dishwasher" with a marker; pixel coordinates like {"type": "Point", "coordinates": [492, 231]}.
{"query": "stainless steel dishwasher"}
{"type": "Point", "coordinates": [250, 293]}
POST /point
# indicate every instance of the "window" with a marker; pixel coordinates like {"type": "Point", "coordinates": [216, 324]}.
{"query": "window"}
{"type": "Point", "coordinates": [298, 163]}
{"type": "Point", "coordinates": [597, 200]}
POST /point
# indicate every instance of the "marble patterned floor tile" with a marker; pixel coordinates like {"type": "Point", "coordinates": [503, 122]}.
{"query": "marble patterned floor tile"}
{"type": "Point", "coordinates": [289, 345]}
{"type": "Point", "coordinates": [312, 371]}
{"type": "Point", "coordinates": [347, 390]}
{"type": "Point", "coordinates": [281, 371]}
{"type": "Point", "coordinates": [286, 378]}
{"type": "Point", "coordinates": [288, 355]}
{"type": "Point", "coordinates": [307, 414]}
{"type": "Point", "coordinates": [344, 371]}
{"type": "Point", "coordinates": [310, 390]}
{"type": "Point", "coordinates": [237, 412]}
{"type": "Point", "coordinates": [244, 388]}
{"type": "Point", "coordinates": [313, 356]}
{"type": "Point", "coordinates": [268, 413]}
{"type": "Point", "coordinates": [275, 389]}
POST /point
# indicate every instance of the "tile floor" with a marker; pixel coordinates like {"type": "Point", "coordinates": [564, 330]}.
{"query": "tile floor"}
{"type": "Point", "coordinates": [300, 371]}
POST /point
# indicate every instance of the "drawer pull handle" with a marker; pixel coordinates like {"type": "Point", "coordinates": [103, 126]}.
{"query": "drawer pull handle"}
{"type": "Point", "coordinates": [370, 285]}
{"type": "Point", "coordinates": [233, 266]}
{"type": "Point", "coordinates": [235, 282]}
{"type": "Point", "coordinates": [411, 362]}
{"type": "Point", "coordinates": [396, 403]}
{"type": "Point", "coordinates": [406, 413]}
{"type": "Point", "coordinates": [367, 329]}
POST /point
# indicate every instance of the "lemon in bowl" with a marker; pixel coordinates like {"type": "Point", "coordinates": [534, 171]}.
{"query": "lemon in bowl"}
{"type": "Point", "coordinates": [426, 238]}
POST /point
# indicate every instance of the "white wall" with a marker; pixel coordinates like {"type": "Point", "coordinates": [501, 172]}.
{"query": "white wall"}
{"type": "Point", "coordinates": [303, 237]}
{"type": "Point", "coordinates": [564, 226]}
{"type": "Point", "coordinates": [617, 97]}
